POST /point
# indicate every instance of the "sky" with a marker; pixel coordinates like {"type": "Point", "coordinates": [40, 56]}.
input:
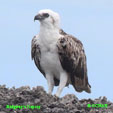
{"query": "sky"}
{"type": "Point", "coordinates": [91, 21]}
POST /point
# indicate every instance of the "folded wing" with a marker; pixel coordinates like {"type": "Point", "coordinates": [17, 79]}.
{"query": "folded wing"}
{"type": "Point", "coordinates": [73, 61]}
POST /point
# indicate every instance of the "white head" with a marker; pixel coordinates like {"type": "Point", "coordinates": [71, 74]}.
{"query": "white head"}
{"type": "Point", "coordinates": [48, 18]}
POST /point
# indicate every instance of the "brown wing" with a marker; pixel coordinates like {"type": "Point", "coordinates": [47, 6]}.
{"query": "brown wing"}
{"type": "Point", "coordinates": [73, 61]}
{"type": "Point", "coordinates": [36, 56]}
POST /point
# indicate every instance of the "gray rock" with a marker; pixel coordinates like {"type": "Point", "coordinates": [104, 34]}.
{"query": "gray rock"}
{"type": "Point", "coordinates": [48, 103]}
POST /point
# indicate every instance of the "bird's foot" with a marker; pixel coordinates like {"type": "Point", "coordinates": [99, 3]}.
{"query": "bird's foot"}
{"type": "Point", "coordinates": [50, 94]}
{"type": "Point", "coordinates": [56, 97]}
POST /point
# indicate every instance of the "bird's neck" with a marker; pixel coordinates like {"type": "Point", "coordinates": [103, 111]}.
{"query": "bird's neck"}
{"type": "Point", "coordinates": [48, 35]}
{"type": "Point", "coordinates": [48, 27]}
{"type": "Point", "coordinates": [49, 31]}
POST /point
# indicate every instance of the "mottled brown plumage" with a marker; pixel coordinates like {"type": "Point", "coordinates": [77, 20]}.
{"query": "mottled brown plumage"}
{"type": "Point", "coordinates": [72, 58]}
{"type": "Point", "coordinates": [73, 61]}
{"type": "Point", "coordinates": [59, 56]}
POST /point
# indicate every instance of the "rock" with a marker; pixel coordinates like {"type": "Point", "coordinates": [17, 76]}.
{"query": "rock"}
{"type": "Point", "coordinates": [36, 100]}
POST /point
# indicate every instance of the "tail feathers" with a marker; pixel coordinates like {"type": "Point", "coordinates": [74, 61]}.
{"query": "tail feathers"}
{"type": "Point", "coordinates": [88, 89]}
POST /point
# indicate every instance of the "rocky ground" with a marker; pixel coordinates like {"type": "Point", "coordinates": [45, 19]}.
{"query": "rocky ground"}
{"type": "Point", "coordinates": [48, 104]}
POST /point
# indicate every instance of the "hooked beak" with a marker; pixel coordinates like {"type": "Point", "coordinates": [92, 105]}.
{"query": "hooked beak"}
{"type": "Point", "coordinates": [38, 17]}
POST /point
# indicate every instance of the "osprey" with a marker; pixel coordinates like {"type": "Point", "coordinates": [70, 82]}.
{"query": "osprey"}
{"type": "Point", "coordinates": [60, 57]}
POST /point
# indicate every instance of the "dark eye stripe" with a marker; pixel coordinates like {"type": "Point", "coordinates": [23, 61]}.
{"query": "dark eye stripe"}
{"type": "Point", "coordinates": [46, 15]}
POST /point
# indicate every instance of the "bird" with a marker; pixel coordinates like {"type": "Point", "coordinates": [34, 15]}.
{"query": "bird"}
{"type": "Point", "coordinates": [59, 56]}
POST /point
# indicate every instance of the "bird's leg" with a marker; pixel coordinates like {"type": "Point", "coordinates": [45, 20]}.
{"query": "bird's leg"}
{"type": "Point", "coordinates": [50, 81]}
{"type": "Point", "coordinates": [63, 81]}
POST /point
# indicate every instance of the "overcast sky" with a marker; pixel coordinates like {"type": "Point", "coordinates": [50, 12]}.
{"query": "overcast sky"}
{"type": "Point", "coordinates": [91, 21]}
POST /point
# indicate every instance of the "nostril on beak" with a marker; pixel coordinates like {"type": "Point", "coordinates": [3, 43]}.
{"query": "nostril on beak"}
{"type": "Point", "coordinates": [38, 17]}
